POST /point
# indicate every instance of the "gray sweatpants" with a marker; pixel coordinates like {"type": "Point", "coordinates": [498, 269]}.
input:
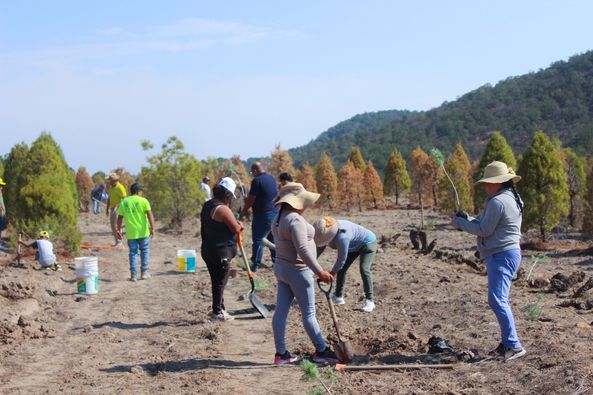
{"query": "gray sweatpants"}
{"type": "Point", "coordinates": [299, 284]}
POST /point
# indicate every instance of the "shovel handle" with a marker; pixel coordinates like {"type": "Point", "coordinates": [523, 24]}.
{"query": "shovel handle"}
{"type": "Point", "coordinates": [326, 291]}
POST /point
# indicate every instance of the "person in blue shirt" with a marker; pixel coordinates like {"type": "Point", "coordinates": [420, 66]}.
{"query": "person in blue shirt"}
{"type": "Point", "coordinates": [352, 241]}
{"type": "Point", "coordinates": [261, 197]}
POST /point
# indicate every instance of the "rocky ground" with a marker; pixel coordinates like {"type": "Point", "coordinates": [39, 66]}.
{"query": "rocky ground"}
{"type": "Point", "coordinates": [153, 336]}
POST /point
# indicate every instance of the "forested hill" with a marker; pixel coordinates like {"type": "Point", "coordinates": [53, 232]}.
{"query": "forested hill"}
{"type": "Point", "coordinates": [557, 100]}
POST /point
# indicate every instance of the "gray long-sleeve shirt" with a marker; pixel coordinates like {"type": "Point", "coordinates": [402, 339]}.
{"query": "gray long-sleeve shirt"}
{"type": "Point", "coordinates": [498, 227]}
{"type": "Point", "coordinates": [295, 247]}
{"type": "Point", "coordinates": [350, 238]}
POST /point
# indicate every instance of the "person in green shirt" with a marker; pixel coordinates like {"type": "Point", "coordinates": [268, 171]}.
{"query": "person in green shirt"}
{"type": "Point", "coordinates": [140, 228]}
{"type": "Point", "coordinates": [3, 221]}
{"type": "Point", "coordinates": [116, 192]}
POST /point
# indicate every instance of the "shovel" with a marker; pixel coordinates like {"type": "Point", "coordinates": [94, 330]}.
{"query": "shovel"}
{"type": "Point", "coordinates": [255, 302]}
{"type": "Point", "coordinates": [343, 348]}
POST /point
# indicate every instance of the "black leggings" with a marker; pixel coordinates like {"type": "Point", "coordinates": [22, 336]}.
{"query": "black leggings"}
{"type": "Point", "coordinates": [218, 261]}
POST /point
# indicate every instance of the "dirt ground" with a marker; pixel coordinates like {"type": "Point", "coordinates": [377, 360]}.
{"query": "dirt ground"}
{"type": "Point", "coordinates": [153, 336]}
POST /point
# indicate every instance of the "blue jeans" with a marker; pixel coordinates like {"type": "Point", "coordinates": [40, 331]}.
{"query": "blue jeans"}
{"type": "Point", "coordinates": [260, 228]}
{"type": "Point", "coordinates": [299, 284]}
{"type": "Point", "coordinates": [501, 268]}
{"type": "Point", "coordinates": [144, 246]}
{"type": "Point", "coordinates": [96, 206]}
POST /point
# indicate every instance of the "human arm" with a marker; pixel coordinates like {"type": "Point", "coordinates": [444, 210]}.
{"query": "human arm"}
{"type": "Point", "coordinates": [485, 224]}
{"type": "Point", "coordinates": [151, 222]}
{"type": "Point", "coordinates": [342, 244]}
{"type": "Point", "coordinates": [224, 214]}
{"type": "Point", "coordinates": [248, 204]}
{"type": "Point", "coordinates": [108, 205]}
{"type": "Point", "coordinates": [120, 220]}
{"type": "Point", "coordinates": [303, 245]}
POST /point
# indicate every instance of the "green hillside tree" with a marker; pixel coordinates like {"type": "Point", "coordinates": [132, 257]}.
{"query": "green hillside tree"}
{"type": "Point", "coordinates": [544, 187]}
{"type": "Point", "coordinates": [42, 192]}
{"type": "Point", "coordinates": [576, 177]}
{"type": "Point", "coordinates": [305, 176]}
{"type": "Point", "coordinates": [349, 186]}
{"type": "Point", "coordinates": [357, 159]}
{"type": "Point", "coordinates": [497, 149]}
{"type": "Point", "coordinates": [84, 186]}
{"type": "Point", "coordinates": [397, 180]}
{"type": "Point", "coordinates": [170, 181]}
{"type": "Point", "coordinates": [588, 202]}
{"type": "Point", "coordinates": [327, 181]}
{"type": "Point", "coordinates": [280, 162]}
{"type": "Point", "coordinates": [373, 187]}
{"type": "Point", "coordinates": [459, 169]}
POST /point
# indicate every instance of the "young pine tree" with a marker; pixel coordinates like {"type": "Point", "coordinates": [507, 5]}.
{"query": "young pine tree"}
{"type": "Point", "coordinates": [397, 180]}
{"type": "Point", "coordinates": [423, 176]}
{"type": "Point", "coordinates": [357, 159]}
{"type": "Point", "coordinates": [42, 192]}
{"type": "Point", "coordinates": [373, 186]}
{"type": "Point", "coordinates": [543, 186]}
{"type": "Point", "coordinates": [588, 202]}
{"type": "Point", "coordinates": [577, 183]}
{"type": "Point", "coordinates": [326, 180]}
{"type": "Point", "coordinates": [170, 182]}
{"type": "Point", "coordinates": [459, 169]}
{"type": "Point", "coordinates": [98, 178]}
{"type": "Point", "coordinates": [349, 186]}
{"type": "Point", "coordinates": [84, 186]}
{"type": "Point", "coordinates": [281, 162]}
{"type": "Point", "coordinates": [497, 149]}
{"type": "Point", "coordinates": [306, 177]}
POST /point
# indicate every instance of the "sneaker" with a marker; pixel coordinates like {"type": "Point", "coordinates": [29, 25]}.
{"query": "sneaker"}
{"type": "Point", "coordinates": [227, 316]}
{"type": "Point", "coordinates": [145, 275]}
{"type": "Point", "coordinates": [57, 268]}
{"type": "Point", "coordinates": [497, 351]}
{"type": "Point", "coordinates": [512, 353]}
{"type": "Point", "coordinates": [283, 359]}
{"type": "Point", "coordinates": [326, 356]}
{"type": "Point", "coordinates": [221, 317]}
{"type": "Point", "coordinates": [133, 277]}
{"type": "Point", "coordinates": [337, 300]}
{"type": "Point", "coordinates": [118, 243]}
{"type": "Point", "coordinates": [368, 306]}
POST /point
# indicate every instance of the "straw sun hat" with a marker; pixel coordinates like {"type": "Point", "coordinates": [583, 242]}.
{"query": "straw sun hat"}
{"type": "Point", "coordinates": [294, 194]}
{"type": "Point", "coordinates": [497, 173]}
{"type": "Point", "coordinates": [326, 229]}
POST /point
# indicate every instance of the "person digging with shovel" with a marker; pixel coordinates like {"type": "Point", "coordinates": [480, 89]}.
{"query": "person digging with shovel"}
{"type": "Point", "coordinates": [219, 230]}
{"type": "Point", "coordinates": [295, 265]}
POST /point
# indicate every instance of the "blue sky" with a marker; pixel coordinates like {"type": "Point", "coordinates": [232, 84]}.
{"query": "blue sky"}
{"type": "Point", "coordinates": [238, 77]}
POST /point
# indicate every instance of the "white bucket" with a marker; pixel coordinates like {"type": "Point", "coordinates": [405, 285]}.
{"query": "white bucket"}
{"type": "Point", "coordinates": [87, 274]}
{"type": "Point", "coordinates": [186, 260]}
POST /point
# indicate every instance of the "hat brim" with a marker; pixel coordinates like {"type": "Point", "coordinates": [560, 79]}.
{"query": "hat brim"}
{"type": "Point", "coordinates": [2, 183]}
{"type": "Point", "coordinates": [300, 201]}
{"type": "Point", "coordinates": [323, 239]}
{"type": "Point", "coordinates": [499, 179]}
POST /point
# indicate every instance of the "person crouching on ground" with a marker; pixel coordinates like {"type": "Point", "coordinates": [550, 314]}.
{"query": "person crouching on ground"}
{"type": "Point", "coordinates": [219, 230]}
{"type": "Point", "coordinates": [45, 251]}
{"type": "Point", "coordinates": [498, 229]}
{"type": "Point", "coordinates": [351, 240]}
{"type": "Point", "coordinates": [294, 267]}
{"type": "Point", "coordinates": [140, 228]}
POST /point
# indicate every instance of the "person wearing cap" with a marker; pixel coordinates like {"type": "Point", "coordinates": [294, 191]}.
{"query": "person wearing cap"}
{"type": "Point", "coordinates": [219, 230]}
{"type": "Point", "coordinates": [285, 178]}
{"type": "Point", "coordinates": [206, 188]}
{"type": "Point", "coordinates": [498, 231]}
{"type": "Point", "coordinates": [261, 196]}
{"type": "Point", "coordinates": [140, 227]}
{"type": "Point", "coordinates": [3, 220]}
{"type": "Point", "coordinates": [352, 241]}
{"type": "Point", "coordinates": [296, 262]}
{"type": "Point", "coordinates": [116, 193]}
{"type": "Point", "coordinates": [45, 251]}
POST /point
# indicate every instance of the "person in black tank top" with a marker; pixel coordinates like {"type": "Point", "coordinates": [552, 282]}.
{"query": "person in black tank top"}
{"type": "Point", "coordinates": [219, 230]}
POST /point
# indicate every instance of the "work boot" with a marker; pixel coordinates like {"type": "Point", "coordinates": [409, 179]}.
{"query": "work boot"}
{"type": "Point", "coordinates": [145, 275]}
{"type": "Point", "coordinates": [133, 277]}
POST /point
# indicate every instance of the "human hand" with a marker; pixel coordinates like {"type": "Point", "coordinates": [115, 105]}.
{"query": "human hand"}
{"type": "Point", "coordinates": [119, 235]}
{"type": "Point", "coordinates": [325, 277]}
{"type": "Point", "coordinates": [462, 214]}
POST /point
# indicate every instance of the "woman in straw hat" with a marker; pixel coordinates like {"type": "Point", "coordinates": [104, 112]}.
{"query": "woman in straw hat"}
{"type": "Point", "coordinates": [219, 230]}
{"type": "Point", "coordinates": [352, 241]}
{"type": "Point", "coordinates": [498, 229]}
{"type": "Point", "coordinates": [295, 264]}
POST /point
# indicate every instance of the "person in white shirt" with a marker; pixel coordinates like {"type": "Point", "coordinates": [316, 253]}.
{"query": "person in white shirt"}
{"type": "Point", "coordinates": [206, 188]}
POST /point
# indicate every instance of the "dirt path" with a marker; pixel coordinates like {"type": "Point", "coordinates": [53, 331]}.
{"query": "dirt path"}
{"type": "Point", "coordinates": [154, 336]}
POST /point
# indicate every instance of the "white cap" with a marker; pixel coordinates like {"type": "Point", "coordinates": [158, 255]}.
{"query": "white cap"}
{"type": "Point", "coordinates": [228, 184]}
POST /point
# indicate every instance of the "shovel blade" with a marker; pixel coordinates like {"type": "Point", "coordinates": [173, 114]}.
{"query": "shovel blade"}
{"type": "Point", "coordinates": [344, 351]}
{"type": "Point", "coordinates": [258, 305]}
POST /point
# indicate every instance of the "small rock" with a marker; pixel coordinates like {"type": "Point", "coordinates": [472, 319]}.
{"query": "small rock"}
{"type": "Point", "coordinates": [444, 279]}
